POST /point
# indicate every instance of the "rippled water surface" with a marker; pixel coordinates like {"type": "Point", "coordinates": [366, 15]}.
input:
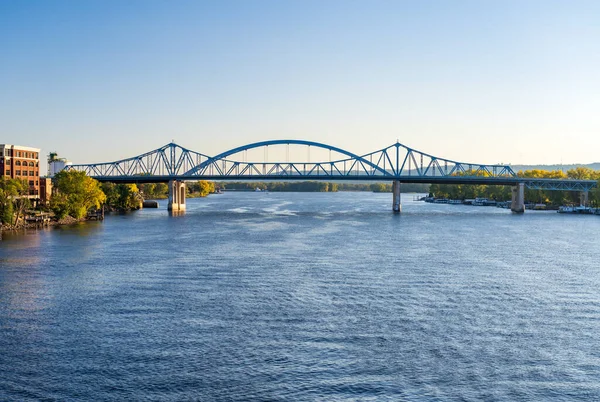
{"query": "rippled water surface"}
{"type": "Point", "coordinates": [292, 296]}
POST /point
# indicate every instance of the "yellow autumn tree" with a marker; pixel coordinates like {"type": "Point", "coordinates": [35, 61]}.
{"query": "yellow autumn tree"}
{"type": "Point", "coordinates": [77, 193]}
{"type": "Point", "coordinates": [206, 187]}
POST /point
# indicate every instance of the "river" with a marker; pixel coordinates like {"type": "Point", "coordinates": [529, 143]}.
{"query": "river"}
{"type": "Point", "coordinates": [304, 296]}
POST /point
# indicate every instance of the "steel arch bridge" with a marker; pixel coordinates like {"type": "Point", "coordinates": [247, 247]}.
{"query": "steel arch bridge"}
{"type": "Point", "coordinates": [396, 162]}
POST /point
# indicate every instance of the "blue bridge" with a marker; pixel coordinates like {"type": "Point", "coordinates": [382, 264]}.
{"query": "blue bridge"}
{"type": "Point", "coordinates": [396, 163]}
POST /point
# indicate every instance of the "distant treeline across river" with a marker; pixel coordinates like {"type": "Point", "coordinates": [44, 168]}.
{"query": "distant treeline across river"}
{"type": "Point", "coordinates": [314, 186]}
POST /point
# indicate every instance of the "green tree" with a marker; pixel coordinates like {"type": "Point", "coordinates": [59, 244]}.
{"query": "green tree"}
{"type": "Point", "coordinates": [380, 188]}
{"type": "Point", "coordinates": [13, 199]}
{"type": "Point", "coordinates": [595, 195]}
{"type": "Point", "coordinates": [21, 202]}
{"type": "Point", "coordinates": [6, 206]}
{"type": "Point", "coordinates": [154, 190]}
{"type": "Point", "coordinates": [129, 197]}
{"type": "Point", "coordinates": [148, 189]}
{"type": "Point", "coordinates": [12, 194]}
{"type": "Point", "coordinates": [161, 189]}
{"type": "Point", "coordinates": [77, 193]}
{"type": "Point", "coordinates": [122, 197]}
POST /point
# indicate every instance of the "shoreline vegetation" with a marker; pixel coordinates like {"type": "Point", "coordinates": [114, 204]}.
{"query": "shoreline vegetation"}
{"type": "Point", "coordinates": [550, 198]}
{"type": "Point", "coordinates": [78, 197]}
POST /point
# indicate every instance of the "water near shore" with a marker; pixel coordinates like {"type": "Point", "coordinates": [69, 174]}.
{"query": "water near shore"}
{"type": "Point", "coordinates": [304, 296]}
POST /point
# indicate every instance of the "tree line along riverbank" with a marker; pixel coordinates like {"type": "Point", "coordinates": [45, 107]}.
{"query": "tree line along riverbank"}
{"type": "Point", "coordinates": [315, 186]}
{"type": "Point", "coordinates": [504, 193]}
{"type": "Point", "coordinates": [77, 197]}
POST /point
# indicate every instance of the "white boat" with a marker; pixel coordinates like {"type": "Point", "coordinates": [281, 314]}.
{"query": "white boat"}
{"type": "Point", "coordinates": [479, 202]}
{"type": "Point", "coordinates": [566, 209]}
{"type": "Point", "coordinates": [570, 209]}
{"type": "Point", "coordinates": [484, 202]}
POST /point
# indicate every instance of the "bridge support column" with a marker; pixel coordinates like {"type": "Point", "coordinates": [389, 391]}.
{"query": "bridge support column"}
{"type": "Point", "coordinates": [176, 196]}
{"type": "Point", "coordinates": [518, 198]}
{"type": "Point", "coordinates": [396, 204]}
{"type": "Point", "coordinates": [584, 197]}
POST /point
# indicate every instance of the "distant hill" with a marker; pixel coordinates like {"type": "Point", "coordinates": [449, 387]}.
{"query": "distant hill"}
{"type": "Point", "coordinates": [564, 168]}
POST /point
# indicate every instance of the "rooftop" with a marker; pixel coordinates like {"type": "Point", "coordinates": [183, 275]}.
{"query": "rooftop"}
{"type": "Point", "coordinates": [20, 147]}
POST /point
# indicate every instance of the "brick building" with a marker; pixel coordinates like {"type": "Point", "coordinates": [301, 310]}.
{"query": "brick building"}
{"type": "Point", "coordinates": [18, 162]}
{"type": "Point", "coordinates": [45, 190]}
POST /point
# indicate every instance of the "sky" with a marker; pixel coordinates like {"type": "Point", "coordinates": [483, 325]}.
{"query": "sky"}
{"type": "Point", "coordinates": [481, 81]}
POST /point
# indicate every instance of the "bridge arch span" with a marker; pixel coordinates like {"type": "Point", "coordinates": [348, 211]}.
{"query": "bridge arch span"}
{"type": "Point", "coordinates": [233, 151]}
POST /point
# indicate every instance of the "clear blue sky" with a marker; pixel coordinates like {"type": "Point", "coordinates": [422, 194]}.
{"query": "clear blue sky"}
{"type": "Point", "coordinates": [502, 81]}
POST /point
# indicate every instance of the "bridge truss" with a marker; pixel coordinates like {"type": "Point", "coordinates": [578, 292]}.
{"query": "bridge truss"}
{"type": "Point", "coordinates": [396, 162]}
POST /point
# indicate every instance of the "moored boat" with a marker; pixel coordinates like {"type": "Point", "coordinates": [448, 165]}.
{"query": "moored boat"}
{"type": "Point", "coordinates": [566, 209]}
{"type": "Point", "coordinates": [570, 209]}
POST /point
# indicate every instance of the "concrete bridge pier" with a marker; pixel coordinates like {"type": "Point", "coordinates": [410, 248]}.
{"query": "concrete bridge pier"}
{"type": "Point", "coordinates": [584, 197]}
{"type": "Point", "coordinates": [396, 204]}
{"type": "Point", "coordinates": [176, 195]}
{"type": "Point", "coordinates": [518, 198]}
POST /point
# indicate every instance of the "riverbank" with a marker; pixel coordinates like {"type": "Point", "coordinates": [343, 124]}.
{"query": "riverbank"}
{"type": "Point", "coordinates": [565, 209]}
{"type": "Point", "coordinates": [36, 225]}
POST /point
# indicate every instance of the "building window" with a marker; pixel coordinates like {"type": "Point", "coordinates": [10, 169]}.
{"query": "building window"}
{"type": "Point", "coordinates": [18, 163]}
{"type": "Point", "coordinates": [8, 172]}
{"type": "Point", "coordinates": [36, 183]}
{"type": "Point", "coordinates": [31, 182]}
{"type": "Point", "coordinates": [18, 173]}
{"type": "Point", "coordinates": [31, 173]}
{"type": "Point", "coordinates": [31, 164]}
